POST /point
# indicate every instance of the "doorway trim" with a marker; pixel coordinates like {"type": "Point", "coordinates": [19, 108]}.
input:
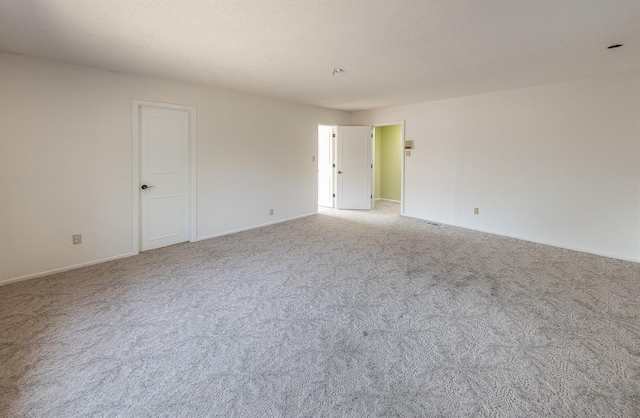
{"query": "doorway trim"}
{"type": "Point", "coordinates": [395, 123]}
{"type": "Point", "coordinates": [136, 107]}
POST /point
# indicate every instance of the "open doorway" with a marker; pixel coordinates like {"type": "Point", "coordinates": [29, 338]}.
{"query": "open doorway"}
{"type": "Point", "coordinates": [326, 192]}
{"type": "Point", "coordinates": [388, 163]}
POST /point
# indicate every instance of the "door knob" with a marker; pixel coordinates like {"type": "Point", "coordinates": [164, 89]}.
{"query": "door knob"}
{"type": "Point", "coordinates": [340, 172]}
{"type": "Point", "coordinates": [145, 187]}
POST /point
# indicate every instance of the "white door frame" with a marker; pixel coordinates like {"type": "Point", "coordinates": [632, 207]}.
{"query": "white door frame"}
{"type": "Point", "coordinates": [136, 107]}
{"type": "Point", "coordinates": [401, 123]}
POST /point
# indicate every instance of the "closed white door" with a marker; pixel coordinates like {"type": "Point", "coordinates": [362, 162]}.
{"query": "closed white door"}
{"type": "Point", "coordinates": [325, 166]}
{"type": "Point", "coordinates": [164, 177]}
{"type": "Point", "coordinates": [354, 175]}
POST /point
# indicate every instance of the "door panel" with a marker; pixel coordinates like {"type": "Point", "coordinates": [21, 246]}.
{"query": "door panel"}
{"type": "Point", "coordinates": [164, 168]}
{"type": "Point", "coordinates": [354, 175]}
{"type": "Point", "coordinates": [165, 146]}
{"type": "Point", "coordinates": [325, 166]}
{"type": "Point", "coordinates": [165, 217]}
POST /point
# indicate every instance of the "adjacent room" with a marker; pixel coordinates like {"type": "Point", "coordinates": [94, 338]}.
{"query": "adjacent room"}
{"type": "Point", "coordinates": [319, 208]}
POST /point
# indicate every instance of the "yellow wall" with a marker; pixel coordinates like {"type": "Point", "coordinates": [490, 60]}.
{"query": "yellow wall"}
{"type": "Point", "coordinates": [377, 163]}
{"type": "Point", "coordinates": [389, 164]}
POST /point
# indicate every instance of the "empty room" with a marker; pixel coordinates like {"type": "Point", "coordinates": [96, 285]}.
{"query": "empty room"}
{"type": "Point", "coordinates": [277, 208]}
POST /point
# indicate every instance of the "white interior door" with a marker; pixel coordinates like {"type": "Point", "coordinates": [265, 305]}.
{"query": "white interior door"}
{"type": "Point", "coordinates": [325, 166]}
{"type": "Point", "coordinates": [354, 172]}
{"type": "Point", "coordinates": [164, 177]}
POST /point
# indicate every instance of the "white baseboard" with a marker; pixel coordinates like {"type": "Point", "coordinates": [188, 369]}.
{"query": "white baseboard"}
{"type": "Point", "coordinates": [388, 200]}
{"type": "Point", "coordinates": [581, 250]}
{"type": "Point", "coordinates": [104, 260]}
{"type": "Point", "coordinates": [235, 231]}
{"type": "Point", "coordinates": [63, 269]}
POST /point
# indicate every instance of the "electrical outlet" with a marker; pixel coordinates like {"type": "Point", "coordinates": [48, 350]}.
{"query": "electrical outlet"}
{"type": "Point", "coordinates": [270, 211]}
{"type": "Point", "coordinates": [476, 211]}
{"type": "Point", "coordinates": [77, 239]}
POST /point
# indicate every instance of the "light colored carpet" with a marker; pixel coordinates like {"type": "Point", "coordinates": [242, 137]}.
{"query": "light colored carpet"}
{"type": "Point", "coordinates": [340, 314]}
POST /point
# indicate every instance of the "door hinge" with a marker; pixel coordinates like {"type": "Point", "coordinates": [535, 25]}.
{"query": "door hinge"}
{"type": "Point", "coordinates": [371, 165]}
{"type": "Point", "coordinates": [372, 196]}
{"type": "Point", "coordinates": [334, 195]}
{"type": "Point", "coordinates": [372, 135]}
{"type": "Point", "coordinates": [334, 135]}
{"type": "Point", "coordinates": [334, 166]}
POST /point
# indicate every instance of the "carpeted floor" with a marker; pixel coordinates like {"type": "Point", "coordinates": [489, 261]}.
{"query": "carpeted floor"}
{"type": "Point", "coordinates": [347, 313]}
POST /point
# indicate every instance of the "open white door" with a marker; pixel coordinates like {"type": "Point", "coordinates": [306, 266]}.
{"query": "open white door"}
{"type": "Point", "coordinates": [325, 166]}
{"type": "Point", "coordinates": [354, 173]}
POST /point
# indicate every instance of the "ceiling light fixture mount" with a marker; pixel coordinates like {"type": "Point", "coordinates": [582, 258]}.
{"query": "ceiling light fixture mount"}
{"type": "Point", "coordinates": [337, 70]}
{"type": "Point", "coordinates": [614, 46]}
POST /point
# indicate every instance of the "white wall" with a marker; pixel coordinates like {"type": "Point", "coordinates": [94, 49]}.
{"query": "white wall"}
{"type": "Point", "coordinates": [557, 164]}
{"type": "Point", "coordinates": [65, 161]}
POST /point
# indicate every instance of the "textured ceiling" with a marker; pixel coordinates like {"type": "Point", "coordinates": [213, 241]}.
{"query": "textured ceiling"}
{"type": "Point", "coordinates": [393, 51]}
